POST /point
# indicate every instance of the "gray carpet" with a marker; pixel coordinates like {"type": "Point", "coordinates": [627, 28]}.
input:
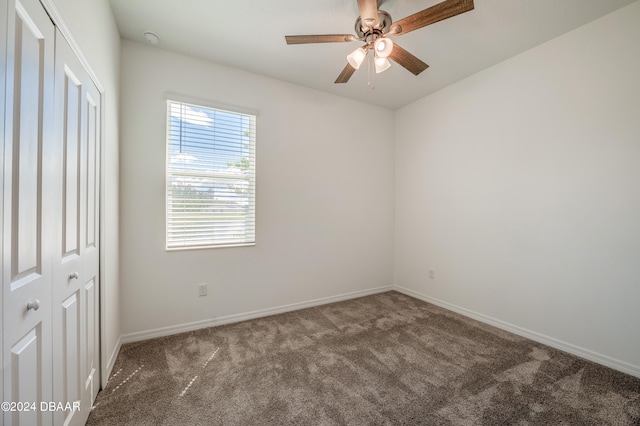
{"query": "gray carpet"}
{"type": "Point", "coordinates": [386, 359]}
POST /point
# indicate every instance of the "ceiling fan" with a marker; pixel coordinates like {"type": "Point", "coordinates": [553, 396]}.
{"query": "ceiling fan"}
{"type": "Point", "coordinates": [375, 26]}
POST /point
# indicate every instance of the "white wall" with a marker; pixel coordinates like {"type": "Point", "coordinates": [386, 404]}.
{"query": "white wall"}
{"type": "Point", "coordinates": [520, 188]}
{"type": "Point", "coordinates": [324, 197]}
{"type": "Point", "coordinates": [94, 29]}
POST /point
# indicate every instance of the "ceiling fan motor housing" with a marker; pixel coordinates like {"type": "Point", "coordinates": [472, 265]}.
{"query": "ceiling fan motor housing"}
{"type": "Point", "coordinates": [364, 31]}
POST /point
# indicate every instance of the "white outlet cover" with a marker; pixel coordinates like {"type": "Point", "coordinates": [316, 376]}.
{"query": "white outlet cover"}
{"type": "Point", "coordinates": [202, 289]}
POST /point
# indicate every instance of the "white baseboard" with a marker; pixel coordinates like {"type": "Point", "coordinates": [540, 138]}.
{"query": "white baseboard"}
{"type": "Point", "coordinates": [107, 367]}
{"type": "Point", "coordinates": [110, 363]}
{"type": "Point", "coordinates": [598, 358]}
{"type": "Point", "coordinates": [181, 328]}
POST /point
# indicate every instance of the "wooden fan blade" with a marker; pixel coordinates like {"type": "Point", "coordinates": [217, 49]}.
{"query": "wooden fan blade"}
{"type": "Point", "coordinates": [407, 60]}
{"type": "Point", "coordinates": [346, 74]}
{"type": "Point", "coordinates": [440, 11]}
{"type": "Point", "coordinates": [368, 11]}
{"type": "Point", "coordinates": [323, 38]}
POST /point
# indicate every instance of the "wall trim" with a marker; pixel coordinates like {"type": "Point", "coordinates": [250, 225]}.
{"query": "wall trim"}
{"type": "Point", "coordinates": [108, 368]}
{"type": "Point", "coordinates": [596, 357]}
{"type": "Point", "coordinates": [61, 25]}
{"type": "Point", "coordinates": [181, 328]}
{"type": "Point", "coordinates": [55, 15]}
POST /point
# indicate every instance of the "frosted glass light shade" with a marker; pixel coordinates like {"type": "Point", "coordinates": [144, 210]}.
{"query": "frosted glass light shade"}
{"type": "Point", "coordinates": [356, 57]}
{"type": "Point", "coordinates": [383, 47]}
{"type": "Point", "coordinates": [382, 64]}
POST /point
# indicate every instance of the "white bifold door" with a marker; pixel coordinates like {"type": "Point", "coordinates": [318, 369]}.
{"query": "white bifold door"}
{"type": "Point", "coordinates": [28, 206]}
{"type": "Point", "coordinates": [75, 304]}
{"type": "Point", "coordinates": [50, 228]}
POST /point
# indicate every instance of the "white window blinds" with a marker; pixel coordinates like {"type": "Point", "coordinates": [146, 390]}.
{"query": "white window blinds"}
{"type": "Point", "coordinates": [210, 177]}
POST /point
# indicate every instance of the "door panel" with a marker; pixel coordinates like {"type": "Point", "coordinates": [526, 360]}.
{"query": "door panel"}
{"type": "Point", "coordinates": [71, 347]}
{"type": "Point", "coordinates": [27, 145]}
{"type": "Point", "coordinates": [24, 355]}
{"type": "Point", "coordinates": [71, 163]}
{"type": "Point", "coordinates": [27, 197]}
{"type": "Point", "coordinates": [93, 118]}
{"type": "Point", "coordinates": [76, 262]}
{"type": "Point", "coordinates": [91, 252]}
{"type": "Point", "coordinates": [91, 338]}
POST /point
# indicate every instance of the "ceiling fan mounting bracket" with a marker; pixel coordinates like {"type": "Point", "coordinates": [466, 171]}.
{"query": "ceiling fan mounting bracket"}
{"type": "Point", "coordinates": [384, 24]}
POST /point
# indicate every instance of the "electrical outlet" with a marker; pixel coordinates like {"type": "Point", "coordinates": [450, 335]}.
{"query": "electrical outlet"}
{"type": "Point", "coordinates": [432, 274]}
{"type": "Point", "coordinates": [202, 289]}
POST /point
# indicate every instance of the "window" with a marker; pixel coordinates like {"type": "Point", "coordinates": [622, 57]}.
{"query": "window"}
{"type": "Point", "coordinates": [210, 177]}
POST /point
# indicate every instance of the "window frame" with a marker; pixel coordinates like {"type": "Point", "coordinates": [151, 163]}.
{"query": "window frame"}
{"type": "Point", "coordinates": [208, 104]}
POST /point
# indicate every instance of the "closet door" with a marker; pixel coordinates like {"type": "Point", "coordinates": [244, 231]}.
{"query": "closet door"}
{"type": "Point", "coordinates": [27, 238]}
{"type": "Point", "coordinates": [50, 227]}
{"type": "Point", "coordinates": [76, 258]}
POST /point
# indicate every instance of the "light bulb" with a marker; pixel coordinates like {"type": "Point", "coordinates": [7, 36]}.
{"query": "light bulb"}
{"type": "Point", "coordinates": [382, 64]}
{"type": "Point", "coordinates": [356, 57]}
{"type": "Point", "coordinates": [383, 46]}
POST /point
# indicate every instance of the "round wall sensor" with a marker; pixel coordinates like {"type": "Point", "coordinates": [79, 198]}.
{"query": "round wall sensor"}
{"type": "Point", "coordinates": [152, 38]}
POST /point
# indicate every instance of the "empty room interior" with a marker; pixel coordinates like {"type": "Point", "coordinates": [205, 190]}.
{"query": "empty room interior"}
{"type": "Point", "coordinates": [241, 212]}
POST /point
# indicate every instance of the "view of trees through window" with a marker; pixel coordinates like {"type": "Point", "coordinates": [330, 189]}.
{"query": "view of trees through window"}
{"type": "Point", "coordinates": [210, 177]}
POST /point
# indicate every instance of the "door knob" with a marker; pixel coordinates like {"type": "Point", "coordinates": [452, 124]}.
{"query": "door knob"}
{"type": "Point", "coordinates": [35, 305]}
{"type": "Point", "coordinates": [74, 276]}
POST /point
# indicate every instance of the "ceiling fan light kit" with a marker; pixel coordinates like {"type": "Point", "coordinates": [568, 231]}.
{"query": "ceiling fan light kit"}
{"type": "Point", "coordinates": [356, 57]}
{"type": "Point", "coordinates": [383, 47]}
{"type": "Point", "coordinates": [382, 64]}
{"type": "Point", "coordinates": [374, 27]}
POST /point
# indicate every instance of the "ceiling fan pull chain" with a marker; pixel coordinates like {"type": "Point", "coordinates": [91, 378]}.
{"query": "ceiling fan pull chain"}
{"type": "Point", "coordinates": [371, 71]}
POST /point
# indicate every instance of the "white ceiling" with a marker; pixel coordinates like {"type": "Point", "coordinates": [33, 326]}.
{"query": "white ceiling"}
{"type": "Point", "coordinates": [249, 35]}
